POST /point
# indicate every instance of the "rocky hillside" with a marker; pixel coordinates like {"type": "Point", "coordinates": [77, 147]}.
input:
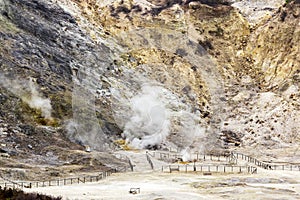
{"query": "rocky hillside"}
{"type": "Point", "coordinates": [204, 75]}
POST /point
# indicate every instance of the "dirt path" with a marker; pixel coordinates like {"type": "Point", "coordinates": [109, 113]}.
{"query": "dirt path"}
{"type": "Point", "coordinates": [175, 186]}
{"type": "Point", "coordinates": [139, 161]}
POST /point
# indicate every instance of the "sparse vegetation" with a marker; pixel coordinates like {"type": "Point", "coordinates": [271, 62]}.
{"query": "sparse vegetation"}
{"type": "Point", "coordinates": [16, 194]}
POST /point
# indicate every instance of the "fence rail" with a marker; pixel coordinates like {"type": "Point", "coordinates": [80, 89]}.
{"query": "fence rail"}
{"type": "Point", "coordinates": [165, 156]}
{"type": "Point", "coordinates": [266, 165]}
{"type": "Point", "coordinates": [68, 181]}
{"type": "Point", "coordinates": [210, 168]}
{"type": "Point", "coordinates": [230, 158]}
{"type": "Point", "coordinates": [58, 182]}
{"type": "Point", "coordinates": [149, 160]}
{"type": "Point", "coordinates": [172, 157]}
{"type": "Point", "coordinates": [211, 157]}
{"type": "Point", "coordinates": [126, 159]}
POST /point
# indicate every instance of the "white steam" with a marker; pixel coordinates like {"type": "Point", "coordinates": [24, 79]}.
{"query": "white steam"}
{"type": "Point", "coordinates": [186, 154]}
{"type": "Point", "coordinates": [149, 123]}
{"type": "Point", "coordinates": [155, 116]}
{"type": "Point", "coordinates": [27, 91]}
{"type": "Point", "coordinates": [38, 102]}
{"type": "Point", "coordinates": [84, 127]}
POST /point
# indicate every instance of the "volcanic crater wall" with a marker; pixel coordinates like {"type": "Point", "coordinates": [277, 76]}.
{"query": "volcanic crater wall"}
{"type": "Point", "coordinates": [238, 81]}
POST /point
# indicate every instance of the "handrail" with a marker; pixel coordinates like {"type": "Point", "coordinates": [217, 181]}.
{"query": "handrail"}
{"type": "Point", "coordinates": [210, 168]}
{"type": "Point", "coordinates": [57, 182]}
{"type": "Point", "coordinates": [266, 165]}
{"type": "Point", "coordinates": [149, 160]}
{"type": "Point", "coordinates": [12, 182]}
{"type": "Point", "coordinates": [231, 158]}
{"type": "Point", "coordinates": [170, 156]}
{"type": "Point", "coordinates": [125, 158]}
{"type": "Point", "coordinates": [130, 164]}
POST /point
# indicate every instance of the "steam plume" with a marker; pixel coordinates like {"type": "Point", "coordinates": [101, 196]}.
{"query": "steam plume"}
{"type": "Point", "coordinates": [153, 116]}
{"type": "Point", "coordinates": [27, 91]}
{"type": "Point", "coordinates": [149, 123]}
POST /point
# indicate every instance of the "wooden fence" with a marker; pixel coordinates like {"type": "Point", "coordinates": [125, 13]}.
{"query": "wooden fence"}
{"type": "Point", "coordinates": [172, 157]}
{"type": "Point", "coordinates": [266, 165]}
{"type": "Point", "coordinates": [169, 157]}
{"type": "Point", "coordinates": [57, 182]}
{"type": "Point", "coordinates": [126, 159]}
{"type": "Point", "coordinates": [149, 160]}
{"type": "Point", "coordinates": [210, 168]}
{"type": "Point", "coordinates": [165, 156]}
{"type": "Point", "coordinates": [67, 181]}
{"type": "Point", "coordinates": [230, 158]}
{"type": "Point", "coordinates": [212, 157]}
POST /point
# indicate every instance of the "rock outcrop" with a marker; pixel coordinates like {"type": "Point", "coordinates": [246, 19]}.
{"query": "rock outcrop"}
{"type": "Point", "coordinates": [197, 74]}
